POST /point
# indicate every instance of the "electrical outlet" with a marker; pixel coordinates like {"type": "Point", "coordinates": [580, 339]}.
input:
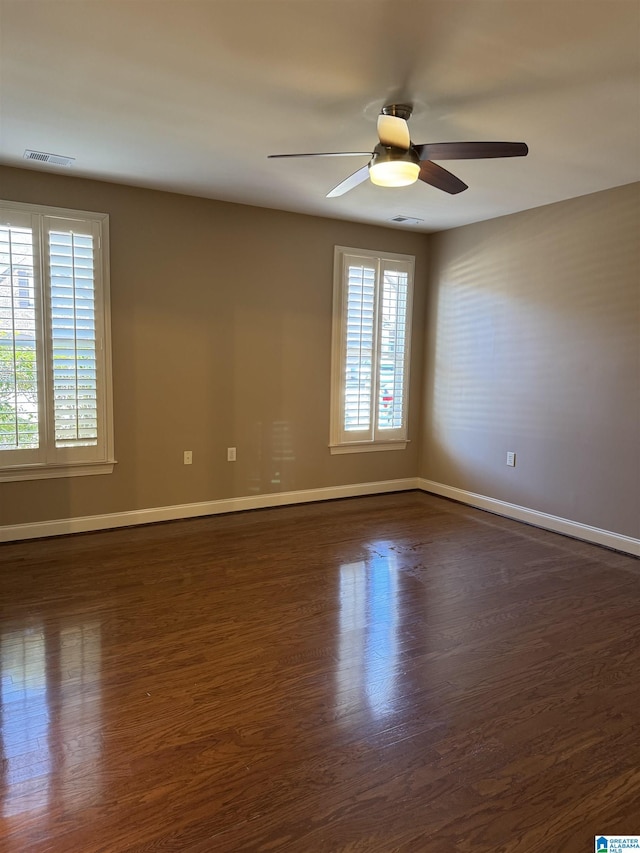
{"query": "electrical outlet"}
{"type": "Point", "coordinates": [231, 454]}
{"type": "Point", "coordinates": [511, 459]}
{"type": "Point", "coordinates": [188, 457]}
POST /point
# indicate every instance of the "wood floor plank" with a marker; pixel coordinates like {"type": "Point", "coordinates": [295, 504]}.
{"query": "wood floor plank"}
{"type": "Point", "coordinates": [390, 673]}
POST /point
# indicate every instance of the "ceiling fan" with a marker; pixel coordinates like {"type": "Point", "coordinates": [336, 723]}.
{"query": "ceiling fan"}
{"type": "Point", "coordinates": [397, 162]}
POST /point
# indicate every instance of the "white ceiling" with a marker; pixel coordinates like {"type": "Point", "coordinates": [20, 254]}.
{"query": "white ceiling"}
{"type": "Point", "coordinates": [191, 96]}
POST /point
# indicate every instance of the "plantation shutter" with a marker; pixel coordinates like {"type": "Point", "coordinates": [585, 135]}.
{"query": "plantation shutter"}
{"type": "Point", "coordinates": [75, 333]}
{"type": "Point", "coordinates": [370, 356]}
{"type": "Point", "coordinates": [20, 391]}
{"type": "Point", "coordinates": [55, 391]}
{"type": "Point", "coordinates": [73, 338]}
{"type": "Point", "coordinates": [360, 329]}
{"type": "Point", "coordinates": [393, 350]}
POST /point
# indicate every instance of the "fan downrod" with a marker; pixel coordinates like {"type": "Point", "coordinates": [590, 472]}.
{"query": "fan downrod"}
{"type": "Point", "coordinates": [399, 110]}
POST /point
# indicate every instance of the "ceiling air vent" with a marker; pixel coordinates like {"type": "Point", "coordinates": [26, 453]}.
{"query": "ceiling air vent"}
{"type": "Point", "coordinates": [408, 220]}
{"type": "Point", "coordinates": [52, 159]}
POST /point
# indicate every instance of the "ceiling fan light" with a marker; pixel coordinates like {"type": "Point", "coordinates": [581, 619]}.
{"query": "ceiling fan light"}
{"type": "Point", "coordinates": [394, 173]}
{"type": "Point", "coordinates": [393, 167]}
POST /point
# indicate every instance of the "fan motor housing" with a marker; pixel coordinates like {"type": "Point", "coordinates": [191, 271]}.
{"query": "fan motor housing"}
{"type": "Point", "coordinates": [399, 110]}
{"type": "Point", "coordinates": [388, 153]}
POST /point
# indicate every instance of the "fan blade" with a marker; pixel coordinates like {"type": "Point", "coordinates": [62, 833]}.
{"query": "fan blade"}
{"type": "Point", "coordinates": [393, 131]}
{"type": "Point", "coordinates": [323, 154]}
{"type": "Point", "coordinates": [350, 182]}
{"type": "Point", "coordinates": [438, 177]}
{"type": "Point", "coordinates": [470, 150]}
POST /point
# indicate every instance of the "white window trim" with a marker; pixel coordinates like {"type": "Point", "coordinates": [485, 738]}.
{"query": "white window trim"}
{"type": "Point", "coordinates": [337, 443]}
{"type": "Point", "coordinates": [105, 464]}
{"type": "Point", "coordinates": [16, 473]}
{"type": "Point", "coordinates": [367, 446]}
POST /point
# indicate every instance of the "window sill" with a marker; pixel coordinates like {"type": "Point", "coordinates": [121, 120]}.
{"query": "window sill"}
{"type": "Point", "coordinates": [367, 447]}
{"type": "Point", "coordinates": [46, 472]}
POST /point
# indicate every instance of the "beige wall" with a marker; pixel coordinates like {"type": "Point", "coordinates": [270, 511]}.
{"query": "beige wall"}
{"type": "Point", "coordinates": [221, 327]}
{"type": "Point", "coordinates": [533, 345]}
{"type": "Point", "coordinates": [221, 318]}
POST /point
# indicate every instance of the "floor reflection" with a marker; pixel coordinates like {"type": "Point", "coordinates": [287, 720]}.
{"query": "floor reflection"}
{"type": "Point", "coordinates": [50, 710]}
{"type": "Point", "coordinates": [25, 722]}
{"type": "Point", "coordinates": [80, 716]}
{"type": "Point", "coordinates": [368, 641]}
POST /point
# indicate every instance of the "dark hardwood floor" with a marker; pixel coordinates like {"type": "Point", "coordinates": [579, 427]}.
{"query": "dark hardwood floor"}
{"type": "Point", "coordinates": [376, 674]}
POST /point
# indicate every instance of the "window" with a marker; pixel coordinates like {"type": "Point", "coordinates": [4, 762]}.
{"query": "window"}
{"type": "Point", "coordinates": [55, 367]}
{"type": "Point", "coordinates": [370, 354]}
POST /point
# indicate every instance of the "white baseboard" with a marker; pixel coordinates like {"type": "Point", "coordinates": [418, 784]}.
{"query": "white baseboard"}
{"type": "Point", "coordinates": [539, 519]}
{"type": "Point", "coordinates": [87, 523]}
